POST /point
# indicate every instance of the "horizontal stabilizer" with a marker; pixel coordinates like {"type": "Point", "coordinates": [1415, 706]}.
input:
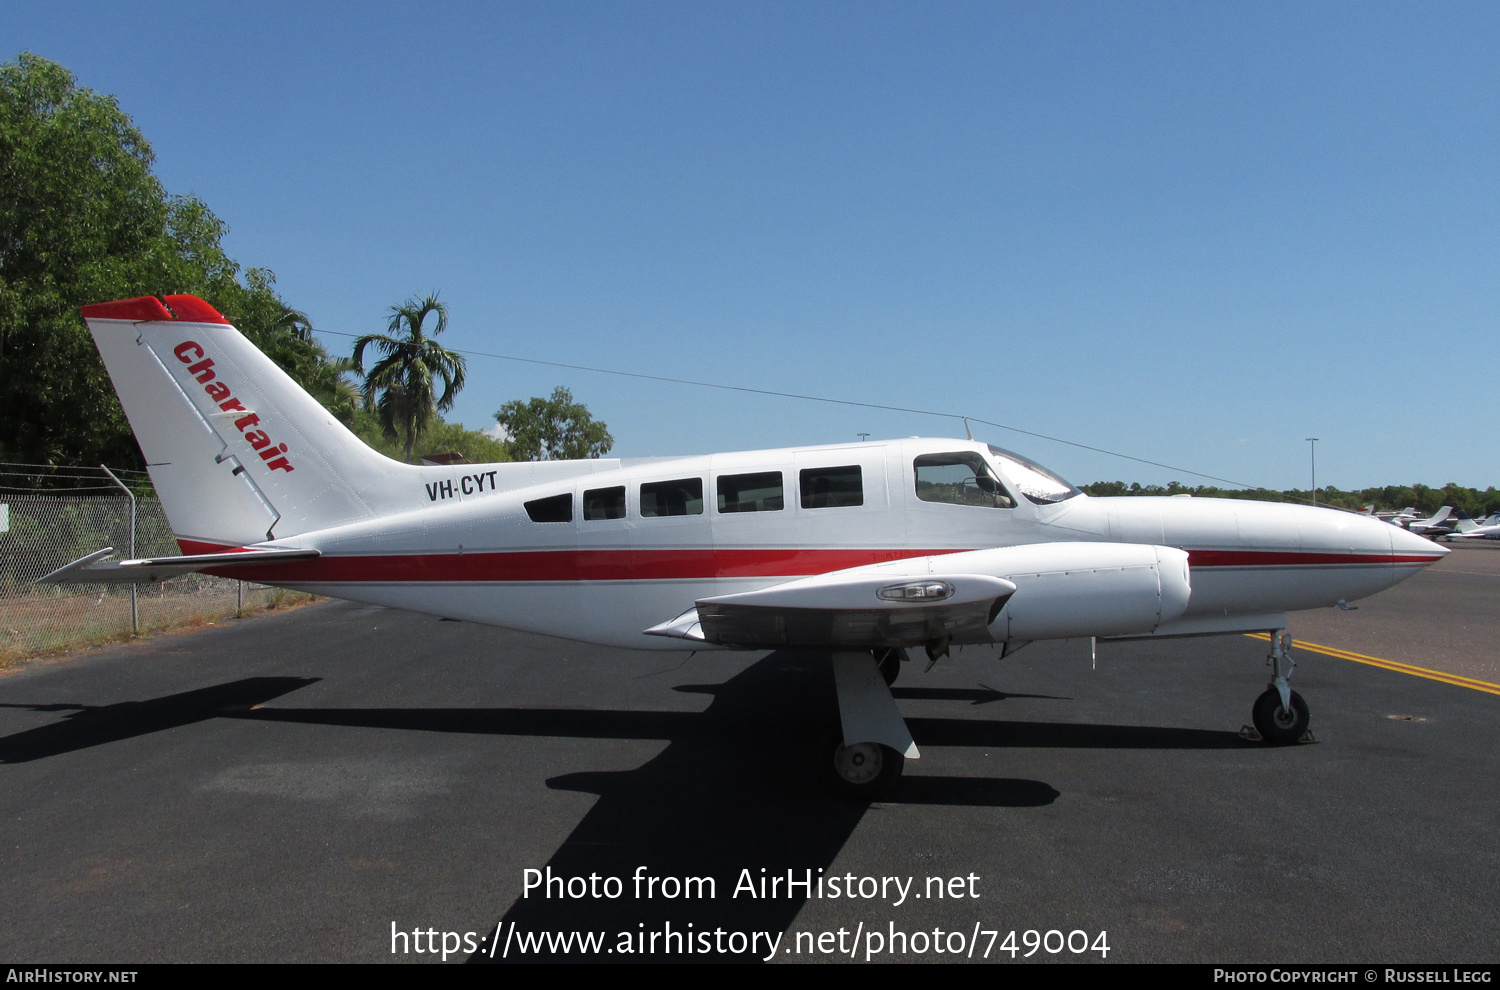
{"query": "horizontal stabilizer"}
{"type": "Point", "coordinates": [94, 569]}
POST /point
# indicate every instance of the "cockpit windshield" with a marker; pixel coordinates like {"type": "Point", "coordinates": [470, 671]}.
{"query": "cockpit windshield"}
{"type": "Point", "coordinates": [1036, 482]}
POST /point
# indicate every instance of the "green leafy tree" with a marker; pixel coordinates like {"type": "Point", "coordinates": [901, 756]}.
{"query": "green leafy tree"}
{"type": "Point", "coordinates": [401, 385]}
{"type": "Point", "coordinates": [83, 220]}
{"type": "Point", "coordinates": [440, 437]}
{"type": "Point", "coordinates": [338, 394]}
{"type": "Point", "coordinates": [556, 428]}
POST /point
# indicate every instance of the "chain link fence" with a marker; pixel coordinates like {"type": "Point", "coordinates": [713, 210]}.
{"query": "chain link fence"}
{"type": "Point", "coordinates": [42, 528]}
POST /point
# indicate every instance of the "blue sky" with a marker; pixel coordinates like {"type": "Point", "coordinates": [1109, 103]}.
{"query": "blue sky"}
{"type": "Point", "coordinates": [1196, 233]}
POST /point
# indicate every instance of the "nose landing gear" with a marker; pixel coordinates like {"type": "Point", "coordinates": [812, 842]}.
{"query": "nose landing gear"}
{"type": "Point", "coordinates": [1280, 715]}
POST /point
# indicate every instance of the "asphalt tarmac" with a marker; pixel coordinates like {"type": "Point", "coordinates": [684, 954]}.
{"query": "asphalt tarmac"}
{"type": "Point", "coordinates": [294, 788]}
{"type": "Point", "coordinates": [1443, 619]}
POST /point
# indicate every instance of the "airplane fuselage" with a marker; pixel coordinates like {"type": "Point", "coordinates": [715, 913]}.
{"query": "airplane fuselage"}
{"type": "Point", "coordinates": [620, 546]}
{"type": "Point", "coordinates": [866, 550]}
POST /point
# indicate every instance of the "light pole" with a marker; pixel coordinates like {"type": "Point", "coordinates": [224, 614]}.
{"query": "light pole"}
{"type": "Point", "coordinates": [1312, 446]}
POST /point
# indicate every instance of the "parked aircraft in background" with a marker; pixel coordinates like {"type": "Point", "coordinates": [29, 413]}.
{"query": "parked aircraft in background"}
{"type": "Point", "coordinates": [1487, 528]}
{"type": "Point", "coordinates": [1431, 523]}
{"type": "Point", "coordinates": [866, 550]}
{"type": "Point", "coordinates": [1456, 524]}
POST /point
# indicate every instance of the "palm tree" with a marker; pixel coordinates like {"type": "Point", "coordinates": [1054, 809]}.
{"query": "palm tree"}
{"type": "Point", "coordinates": [338, 394]}
{"type": "Point", "coordinates": [400, 385]}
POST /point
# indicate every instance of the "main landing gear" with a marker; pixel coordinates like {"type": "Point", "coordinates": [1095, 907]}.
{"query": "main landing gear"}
{"type": "Point", "coordinates": [889, 662]}
{"type": "Point", "coordinates": [1280, 715]}
{"type": "Point", "coordinates": [864, 760]}
{"type": "Point", "coordinates": [862, 772]}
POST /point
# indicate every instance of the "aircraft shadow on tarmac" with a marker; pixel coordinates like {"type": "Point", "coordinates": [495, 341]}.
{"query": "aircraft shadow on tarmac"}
{"type": "Point", "coordinates": [735, 788]}
{"type": "Point", "coordinates": [95, 725]}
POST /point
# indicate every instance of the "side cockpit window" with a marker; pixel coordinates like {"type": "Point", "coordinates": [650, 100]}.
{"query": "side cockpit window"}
{"type": "Point", "coordinates": [960, 478]}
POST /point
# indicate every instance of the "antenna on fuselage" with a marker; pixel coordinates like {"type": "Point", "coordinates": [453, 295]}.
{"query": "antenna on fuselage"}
{"type": "Point", "coordinates": [967, 431]}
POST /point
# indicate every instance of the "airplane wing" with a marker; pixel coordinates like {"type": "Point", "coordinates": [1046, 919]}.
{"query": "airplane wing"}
{"type": "Point", "coordinates": [1018, 593]}
{"type": "Point", "coordinates": [94, 569]}
{"type": "Point", "coordinates": [846, 609]}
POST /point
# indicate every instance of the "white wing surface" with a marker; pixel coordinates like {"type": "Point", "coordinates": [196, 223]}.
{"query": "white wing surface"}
{"type": "Point", "coordinates": [94, 569]}
{"type": "Point", "coordinates": [1037, 591]}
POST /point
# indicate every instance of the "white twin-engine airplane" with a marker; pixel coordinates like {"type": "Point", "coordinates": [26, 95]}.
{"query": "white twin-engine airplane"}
{"type": "Point", "coordinates": [863, 549]}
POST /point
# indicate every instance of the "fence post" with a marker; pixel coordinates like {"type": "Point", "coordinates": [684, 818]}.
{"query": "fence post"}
{"type": "Point", "coordinates": [135, 613]}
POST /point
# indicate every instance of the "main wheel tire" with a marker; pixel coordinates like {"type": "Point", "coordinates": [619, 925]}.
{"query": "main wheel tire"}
{"type": "Point", "coordinates": [889, 662]}
{"type": "Point", "coordinates": [1276, 725]}
{"type": "Point", "coordinates": [862, 772]}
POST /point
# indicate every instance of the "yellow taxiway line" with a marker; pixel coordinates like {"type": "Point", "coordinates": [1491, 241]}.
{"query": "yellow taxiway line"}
{"type": "Point", "coordinates": [1401, 668]}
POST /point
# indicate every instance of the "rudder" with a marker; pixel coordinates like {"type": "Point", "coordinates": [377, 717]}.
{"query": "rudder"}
{"type": "Point", "coordinates": [238, 451]}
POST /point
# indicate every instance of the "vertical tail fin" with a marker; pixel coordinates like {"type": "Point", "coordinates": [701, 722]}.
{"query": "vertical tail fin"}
{"type": "Point", "coordinates": [238, 452]}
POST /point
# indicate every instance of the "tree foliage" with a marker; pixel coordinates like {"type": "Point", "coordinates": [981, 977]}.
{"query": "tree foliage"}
{"type": "Point", "coordinates": [440, 437]}
{"type": "Point", "coordinates": [401, 386]}
{"type": "Point", "coordinates": [555, 428]}
{"type": "Point", "coordinates": [83, 220]}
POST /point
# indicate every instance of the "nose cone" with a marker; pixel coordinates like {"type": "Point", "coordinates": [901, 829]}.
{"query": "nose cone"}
{"type": "Point", "coordinates": [1248, 557]}
{"type": "Point", "coordinates": [1408, 544]}
{"type": "Point", "coordinates": [1392, 553]}
{"type": "Point", "coordinates": [1296, 556]}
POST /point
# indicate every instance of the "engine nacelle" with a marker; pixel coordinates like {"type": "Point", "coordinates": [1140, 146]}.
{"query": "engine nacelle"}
{"type": "Point", "coordinates": [1079, 589]}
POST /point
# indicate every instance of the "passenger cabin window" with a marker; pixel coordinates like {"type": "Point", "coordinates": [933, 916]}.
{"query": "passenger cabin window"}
{"type": "Point", "coordinates": [673, 498]}
{"type": "Point", "coordinates": [604, 503]}
{"type": "Point", "coordinates": [959, 479]}
{"type": "Point", "coordinates": [826, 488]}
{"type": "Point", "coordinates": [751, 492]}
{"type": "Point", "coordinates": [557, 508]}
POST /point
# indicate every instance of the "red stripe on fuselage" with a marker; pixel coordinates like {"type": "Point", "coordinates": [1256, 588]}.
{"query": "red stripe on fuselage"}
{"type": "Point", "coordinates": [1281, 558]}
{"type": "Point", "coordinates": [677, 564]}
{"type": "Point", "coordinates": [567, 565]}
{"type": "Point", "coordinates": [194, 547]}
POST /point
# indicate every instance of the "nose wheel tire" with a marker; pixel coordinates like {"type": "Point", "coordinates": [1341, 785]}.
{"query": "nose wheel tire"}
{"type": "Point", "coordinates": [862, 772]}
{"type": "Point", "coordinates": [1276, 725]}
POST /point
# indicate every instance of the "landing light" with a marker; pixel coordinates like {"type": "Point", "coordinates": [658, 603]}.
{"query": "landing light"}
{"type": "Point", "coordinates": [916, 591]}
